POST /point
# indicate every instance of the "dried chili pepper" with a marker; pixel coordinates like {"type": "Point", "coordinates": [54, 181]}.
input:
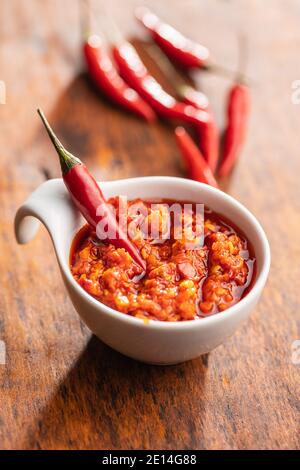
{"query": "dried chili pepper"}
{"type": "Point", "coordinates": [136, 75]}
{"type": "Point", "coordinates": [197, 166]}
{"type": "Point", "coordinates": [106, 77]}
{"type": "Point", "coordinates": [238, 106]}
{"type": "Point", "coordinates": [89, 198]}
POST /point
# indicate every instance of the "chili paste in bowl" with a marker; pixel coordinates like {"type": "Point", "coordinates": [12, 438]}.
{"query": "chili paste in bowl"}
{"type": "Point", "coordinates": [183, 280]}
{"type": "Point", "coordinates": [193, 294]}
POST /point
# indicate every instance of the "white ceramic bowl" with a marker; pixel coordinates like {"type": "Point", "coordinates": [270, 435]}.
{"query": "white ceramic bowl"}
{"type": "Point", "coordinates": [155, 342]}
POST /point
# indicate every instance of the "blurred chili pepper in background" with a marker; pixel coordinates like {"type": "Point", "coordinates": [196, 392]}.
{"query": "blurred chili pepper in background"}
{"type": "Point", "coordinates": [238, 107]}
{"type": "Point", "coordinates": [184, 52]}
{"type": "Point", "coordinates": [209, 134]}
{"type": "Point", "coordinates": [194, 97]}
{"type": "Point", "coordinates": [146, 97]}
{"type": "Point", "coordinates": [209, 143]}
{"type": "Point", "coordinates": [107, 79]}
{"type": "Point", "coordinates": [181, 84]}
{"type": "Point", "coordinates": [196, 165]}
{"type": "Point", "coordinates": [134, 72]}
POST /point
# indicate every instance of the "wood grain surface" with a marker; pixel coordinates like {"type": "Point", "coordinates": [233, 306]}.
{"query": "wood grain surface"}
{"type": "Point", "coordinates": [61, 388]}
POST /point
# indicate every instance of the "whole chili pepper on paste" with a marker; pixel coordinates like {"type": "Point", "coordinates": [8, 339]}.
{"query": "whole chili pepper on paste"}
{"type": "Point", "coordinates": [106, 77]}
{"type": "Point", "coordinates": [187, 53]}
{"type": "Point", "coordinates": [88, 197]}
{"type": "Point", "coordinates": [197, 167]}
{"type": "Point", "coordinates": [238, 107]}
{"type": "Point", "coordinates": [136, 75]}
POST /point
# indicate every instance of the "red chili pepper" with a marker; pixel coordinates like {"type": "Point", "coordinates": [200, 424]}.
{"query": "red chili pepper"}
{"type": "Point", "coordinates": [184, 90]}
{"type": "Point", "coordinates": [209, 143]}
{"type": "Point", "coordinates": [193, 97]}
{"type": "Point", "coordinates": [197, 167]}
{"type": "Point", "coordinates": [208, 134]}
{"type": "Point", "coordinates": [136, 74]}
{"type": "Point", "coordinates": [106, 77]}
{"type": "Point", "coordinates": [238, 107]}
{"type": "Point", "coordinates": [185, 52]}
{"type": "Point", "coordinates": [89, 198]}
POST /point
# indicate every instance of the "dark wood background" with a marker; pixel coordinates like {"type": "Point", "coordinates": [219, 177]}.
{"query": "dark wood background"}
{"type": "Point", "coordinates": [63, 388]}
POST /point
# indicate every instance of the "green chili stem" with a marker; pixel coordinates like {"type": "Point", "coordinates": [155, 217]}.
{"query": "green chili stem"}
{"type": "Point", "coordinates": [67, 160]}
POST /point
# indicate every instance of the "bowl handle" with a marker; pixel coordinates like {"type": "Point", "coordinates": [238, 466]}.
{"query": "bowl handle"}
{"type": "Point", "coordinates": [50, 205]}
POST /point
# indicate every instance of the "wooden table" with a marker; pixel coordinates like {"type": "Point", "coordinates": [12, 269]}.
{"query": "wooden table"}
{"type": "Point", "coordinates": [63, 388]}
